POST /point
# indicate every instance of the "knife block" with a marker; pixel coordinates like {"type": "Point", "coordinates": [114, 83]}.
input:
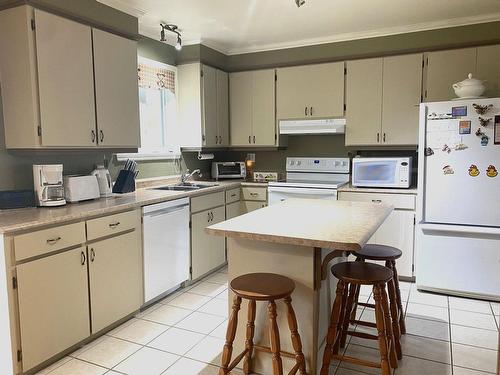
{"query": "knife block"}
{"type": "Point", "coordinates": [125, 182]}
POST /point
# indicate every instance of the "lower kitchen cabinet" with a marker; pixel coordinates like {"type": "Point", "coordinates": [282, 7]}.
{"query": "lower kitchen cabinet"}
{"type": "Point", "coordinates": [233, 209]}
{"type": "Point", "coordinates": [53, 305]}
{"type": "Point", "coordinates": [207, 251]}
{"type": "Point", "coordinates": [398, 230]}
{"type": "Point", "coordinates": [248, 206]}
{"type": "Point", "coordinates": [115, 275]}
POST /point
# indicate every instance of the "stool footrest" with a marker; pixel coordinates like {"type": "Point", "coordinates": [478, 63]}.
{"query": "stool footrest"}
{"type": "Point", "coordinates": [362, 335]}
{"type": "Point", "coordinates": [267, 349]}
{"type": "Point", "coordinates": [364, 324]}
{"type": "Point", "coordinates": [356, 361]}
{"type": "Point", "coordinates": [372, 305]}
{"type": "Point", "coordinates": [237, 360]}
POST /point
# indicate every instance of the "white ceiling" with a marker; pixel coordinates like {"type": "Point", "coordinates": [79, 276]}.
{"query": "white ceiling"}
{"type": "Point", "coordinates": [238, 26]}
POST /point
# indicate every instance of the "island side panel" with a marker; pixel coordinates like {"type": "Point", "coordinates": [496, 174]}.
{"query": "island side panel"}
{"type": "Point", "coordinates": [296, 262]}
{"type": "Point", "coordinates": [8, 364]}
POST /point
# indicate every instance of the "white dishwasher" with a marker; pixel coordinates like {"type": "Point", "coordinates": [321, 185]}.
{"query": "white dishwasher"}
{"type": "Point", "coordinates": [166, 246]}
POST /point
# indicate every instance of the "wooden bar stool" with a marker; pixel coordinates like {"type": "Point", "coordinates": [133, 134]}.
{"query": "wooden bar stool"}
{"type": "Point", "coordinates": [350, 276]}
{"type": "Point", "coordinates": [388, 254]}
{"type": "Point", "coordinates": [262, 287]}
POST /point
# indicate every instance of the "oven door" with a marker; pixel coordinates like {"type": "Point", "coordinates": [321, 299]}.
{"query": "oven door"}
{"type": "Point", "coordinates": [280, 193]}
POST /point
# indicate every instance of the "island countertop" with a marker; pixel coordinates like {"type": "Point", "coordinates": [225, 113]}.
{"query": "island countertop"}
{"type": "Point", "coordinates": [339, 225]}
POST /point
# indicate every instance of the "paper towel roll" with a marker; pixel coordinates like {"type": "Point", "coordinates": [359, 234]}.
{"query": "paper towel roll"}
{"type": "Point", "coordinates": [205, 156]}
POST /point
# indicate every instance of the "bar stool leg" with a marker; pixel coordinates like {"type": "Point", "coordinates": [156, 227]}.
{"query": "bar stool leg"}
{"type": "Point", "coordinates": [275, 339]}
{"type": "Point", "coordinates": [402, 325]}
{"type": "Point", "coordinates": [395, 318]}
{"type": "Point", "coordinates": [388, 329]}
{"type": "Point", "coordinates": [247, 362]}
{"type": "Point", "coordinates": [347, 315]}
{"type": "Point", "coordinates": [296, 341]}
{"type": "Point", "coordinates": [230, 335]}
{"type": "Point", "coordinates": [382, 339]}
{"type": "Point", "coordinates": [356, 296]}
{"type": "Point", "coordinates": [333, 328]}
{"type": "Point", "coordinates": [343, 313]}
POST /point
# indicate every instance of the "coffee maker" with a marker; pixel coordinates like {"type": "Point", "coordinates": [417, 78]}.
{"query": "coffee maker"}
{"type": "Point", "coordinates": [48, 181]}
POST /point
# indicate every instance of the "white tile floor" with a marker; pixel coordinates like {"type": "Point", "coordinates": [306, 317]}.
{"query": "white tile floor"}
{"type": "Point", "coordinates": [184, 335]}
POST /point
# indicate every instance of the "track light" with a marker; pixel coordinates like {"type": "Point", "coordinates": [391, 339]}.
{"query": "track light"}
{"type": "Point", "coordinates": [173, 29]}
{"type": "Point", "coordinates": [300, 3]}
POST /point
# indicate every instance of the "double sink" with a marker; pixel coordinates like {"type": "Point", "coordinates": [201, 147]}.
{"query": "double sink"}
{"type": "Point", "coordinates": [183, 187]}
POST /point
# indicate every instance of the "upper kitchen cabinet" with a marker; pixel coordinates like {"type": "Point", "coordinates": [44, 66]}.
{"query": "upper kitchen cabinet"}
{"type": "Point", "coordinates": [310, 91]}
{"type": "Point", "coordinates": [116, 90]}
{"type": "Point", "coordinates": [252, 108]}
{"type": "Point", "coordinates": [382, 99]}
{"type": "Point", "coordinates": [364, 102]}
{"type": "Point", "coordinates": [401, 96]}
{"type": "Point", "coordinates": [444, 68]}
{"type": "Point", "coordinates": [203, 106]}
{"type": "Point", "coordinates": [51, 97]}
{"type": "Point", "coordinates": [488, 68]}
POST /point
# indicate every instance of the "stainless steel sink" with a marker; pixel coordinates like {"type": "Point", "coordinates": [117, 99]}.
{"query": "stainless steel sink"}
{"type": "Point", "coordinates": [186, 187]}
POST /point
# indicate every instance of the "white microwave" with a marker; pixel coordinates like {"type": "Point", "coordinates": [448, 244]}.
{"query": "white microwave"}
{"type": "Point", "coordinates": [382, 172]}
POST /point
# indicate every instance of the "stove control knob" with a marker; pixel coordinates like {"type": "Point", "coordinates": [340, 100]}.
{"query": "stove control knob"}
{"type": "Point", "coordinates": [344, 164]}
{"type": "Point", "coordinates": [337, 163]}
{"type": "Point", "coordinates": [292, 162]}
{"type": "Point", "coordinates": [298, 162]}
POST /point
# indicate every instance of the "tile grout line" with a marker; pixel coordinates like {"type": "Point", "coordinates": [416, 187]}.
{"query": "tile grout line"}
{"type": "Point", "coordinates": [451, 341]}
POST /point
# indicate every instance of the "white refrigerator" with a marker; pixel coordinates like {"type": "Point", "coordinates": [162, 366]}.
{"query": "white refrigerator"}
{"type": "Point", "coordinates": [458, 213]}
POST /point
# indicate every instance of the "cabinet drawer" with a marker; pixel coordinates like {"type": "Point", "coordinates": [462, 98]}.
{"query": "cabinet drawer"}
{"type": "Point", "coordinates": [233, 195]}
{"type": "Point", "coordinates": [254, 193]}
{"type": "Point", "coordinates": [207, 201]}
{"type": "Point", "coordinates": [399, 201]}
{"type": "Point", "coordinates": [112, 224]}
{"type": "Point", "coordinates": [47, 240]}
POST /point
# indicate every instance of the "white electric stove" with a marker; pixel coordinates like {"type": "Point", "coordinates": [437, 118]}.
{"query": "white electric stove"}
{"type": "Point", "coordinates": [317, 178]}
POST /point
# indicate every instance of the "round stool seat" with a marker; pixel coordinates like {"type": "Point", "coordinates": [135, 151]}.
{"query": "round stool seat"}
{"type": "Point", "coordinates": [362, 273]}
{"type": "Point", "coordinates": [262, 286]}
{"type": "Point", "coordinates": [379, 252]}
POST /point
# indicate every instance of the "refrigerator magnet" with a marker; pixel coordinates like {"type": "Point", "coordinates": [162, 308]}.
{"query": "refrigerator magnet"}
{"type": "Point", "coordinates": [464, 127]}
{"type": "Point", "coordinates": [459, 111]}
{"type": "Point", "coordinates": [482, 109]}
{"type": "Point", "coordinates": [461, 147]}
{"type": "Point", "coordinates": [484, 140]}
{"type": "Point", "coordinates": [446, 148]}
{"type": "Point", "coordinates": [479, 132]}
{"type": "Point", "coordinates": [473, 170]}
{"type": "Point", "coordinates": [429, 151]}
{"type": "Point", "coordinates": [491, 171]}
{"type": "Point", "coordinates": [447, 170]}
{"type": "Point", "coordinates": [496, 136]}
{"type": "Point", "coordinates": [484, 121]}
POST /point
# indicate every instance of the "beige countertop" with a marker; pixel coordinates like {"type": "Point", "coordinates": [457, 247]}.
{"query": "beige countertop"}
{"type": "Point", "coordinates": [350, 188]}
{"type": "Point", "coordinates": [339, 225]}
{"type": "Point", "coordinates": [33, 218]}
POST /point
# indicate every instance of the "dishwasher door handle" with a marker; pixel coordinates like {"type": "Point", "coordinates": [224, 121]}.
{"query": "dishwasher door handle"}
{"type": "Point", "coordinates": [166, 211]}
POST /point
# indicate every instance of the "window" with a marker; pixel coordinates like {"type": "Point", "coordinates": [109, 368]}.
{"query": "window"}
{"type": "Point", "coordinates": [158, 111]}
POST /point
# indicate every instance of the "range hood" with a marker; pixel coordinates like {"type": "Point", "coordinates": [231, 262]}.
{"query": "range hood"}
{"type": "Point", "coordinates": [312, 126]}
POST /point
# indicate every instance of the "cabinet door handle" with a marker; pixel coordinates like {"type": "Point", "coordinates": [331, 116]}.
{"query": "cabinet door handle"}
{"type": "Point", "coordinates": [378, 137]}
{"type": "Point", "coordinates": [254, 194]}
{"type": "Point", "coordinates": [254, 139]}
{"type": "Point", "coordinates": [305, 111]}
{"type": "Point", "coordinates": [233, 195]}
{"type": "Point", "coordinates": [82, 258]}
{"type": "Point", "coordinates": [53, 241]}
{"type": "Point", "coordinates": [114, 225]}
{"type": "Point", "coordinates": [208, 217]}
{"type": "Point", "coordinates": [376, 200]}
{"type": "Point", "coordinates": [101, 133]}
{"type": "Point", "coordinates": [92, 135]}
{"type": "Point", "coordinates": [249, 139]}
{"type": "Point", "coordinates": [384, 137]}
{"type": "Point", "coordinates": [92, 255]}
{"type": "Point", "coordinates": [212, 214]}
{"type": "Point", "coordinates": [311, 111]}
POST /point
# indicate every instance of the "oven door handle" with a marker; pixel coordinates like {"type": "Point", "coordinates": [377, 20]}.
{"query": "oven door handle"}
{"type": "Point", "coordinates": [298, 190]}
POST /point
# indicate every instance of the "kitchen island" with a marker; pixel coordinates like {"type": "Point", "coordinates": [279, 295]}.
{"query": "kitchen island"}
{"type": "Point", "coordinates": [300, 239]}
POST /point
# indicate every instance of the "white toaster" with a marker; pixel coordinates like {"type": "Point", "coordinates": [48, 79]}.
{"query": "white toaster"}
{"type": "Point", "coordinates": [81, 188]}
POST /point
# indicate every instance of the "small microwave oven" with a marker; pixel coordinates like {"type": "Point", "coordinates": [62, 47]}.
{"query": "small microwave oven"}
{"type": "Point", "coordinates": [229, 169]}
{"type": "Point", "coordinates": [390, 172]}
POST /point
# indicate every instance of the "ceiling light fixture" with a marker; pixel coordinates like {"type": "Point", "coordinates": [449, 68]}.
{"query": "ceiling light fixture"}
{"type": "Point", "coordinates": [173, 29]}
{"type": "Point", "coordinates": [300, 3]}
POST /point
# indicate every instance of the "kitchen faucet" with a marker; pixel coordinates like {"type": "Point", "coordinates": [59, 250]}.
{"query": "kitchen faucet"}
{"type": "Point", "coordinates": [186, 176]}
